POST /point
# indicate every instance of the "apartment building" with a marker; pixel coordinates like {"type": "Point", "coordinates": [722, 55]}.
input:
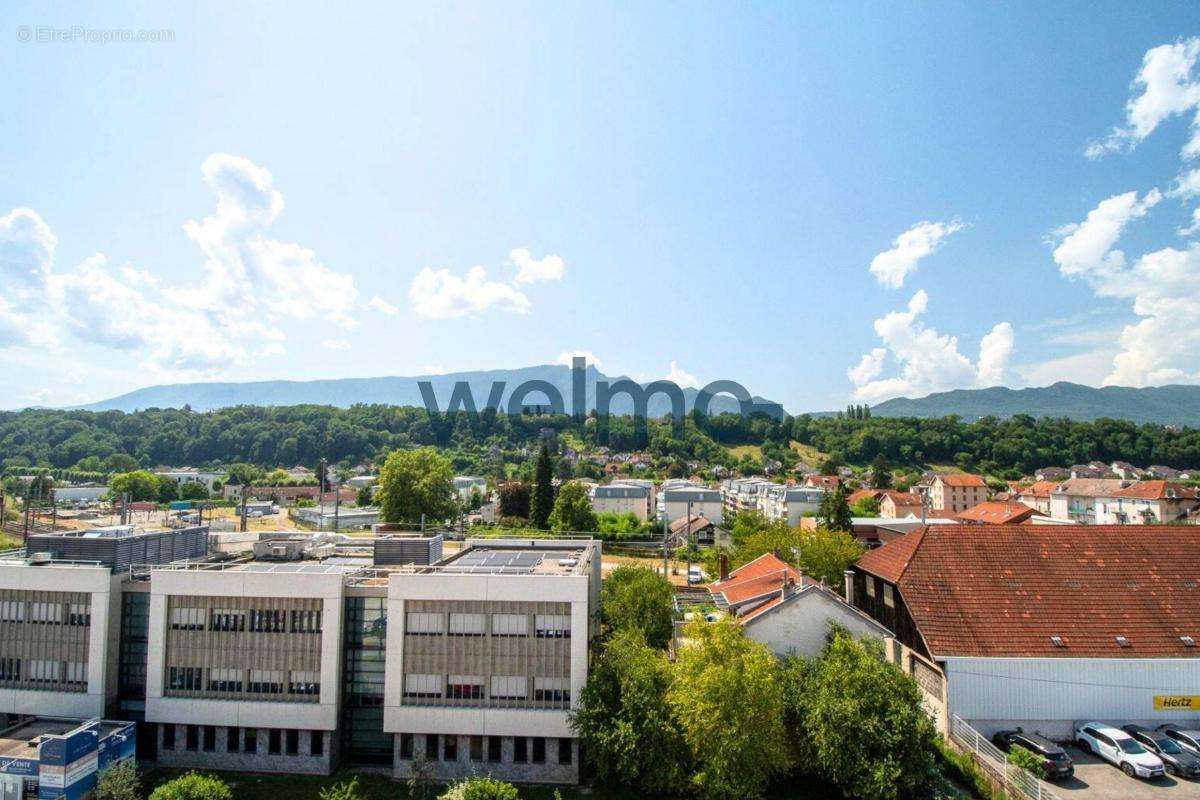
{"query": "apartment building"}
{"type": "Point", "coordinates": [486, 654]}
{"type": "Point", "coordinates": [954, 494]}
{"type": "Point", "coordinates": [623, 498]}
{"type": "Point", "coordinates": [677, 500]}
{"type": "Point", "coordinates": [1146, 503]}
{"type": "Point", "coordinates": [790, 503]}
{"type": "Point", "coordinates": [743, 494]}
{"type": "Point", "coordinates": [1075, 499]}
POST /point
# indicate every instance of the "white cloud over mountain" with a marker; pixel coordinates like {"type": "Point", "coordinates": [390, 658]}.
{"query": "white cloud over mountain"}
{"type": "Point", "coordinates": [892, 266]}
{"type": "Point", "coordinates": [444, 294]}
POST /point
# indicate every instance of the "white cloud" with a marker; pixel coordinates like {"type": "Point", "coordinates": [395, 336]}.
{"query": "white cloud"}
{"type": "Point", "coordinates": [592, 359]}
{"type": "Point", "coordinates": [1087, 247]}
{"type": "Point", "coordinates": [680, 377]}
{"type": "Point", "coordinates": [1165, 87]}
{"type": "Point", "coordinates": [250, 283]}
{"type": "Point", "coordinates": [1089, 368]}
{"type": "Point", "coordinates": [336, 344]}
{"type": "Point", "coordinates": [531, 270]}
{"type": "Point", "coordinates": [1164, 346]}
{"type": "Point", "coordinates": [440, 294]}
{"type": "Point", "coordinates": [892, 266]}
{"type": "Point", "coordinates": [383, 306]}
{"type": "Point", "coordinates": [928, 361]}
{"type": "Point", "coordinates": [272, 349]}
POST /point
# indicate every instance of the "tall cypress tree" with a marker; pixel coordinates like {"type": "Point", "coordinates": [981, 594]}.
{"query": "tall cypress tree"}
{"type": "Point", "coordinates": [542, 502]}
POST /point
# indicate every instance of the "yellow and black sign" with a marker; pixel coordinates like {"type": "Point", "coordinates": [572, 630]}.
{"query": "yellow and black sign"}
{"type": "Point", "coordinates": [1176, 702]}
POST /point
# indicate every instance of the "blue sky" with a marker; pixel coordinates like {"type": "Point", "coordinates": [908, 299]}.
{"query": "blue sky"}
{"type": "Point", "coordinates": [696, 191]}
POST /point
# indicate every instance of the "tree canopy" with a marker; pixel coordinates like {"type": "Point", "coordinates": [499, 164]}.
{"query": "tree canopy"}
{"type": "Point", "coordinates": [573, 509]}
{"type": "Point", "coordinates": [541, 502]}
{"type": "Point", "coordinates": [638, 598]}
{"type": "Point", "coordinates": [413, 483]}
{"type": "Point", "coordinates": [193, 786]}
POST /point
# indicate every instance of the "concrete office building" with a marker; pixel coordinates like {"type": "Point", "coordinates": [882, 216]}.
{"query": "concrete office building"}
{"type": "Point", "coordinates": [486, 654]}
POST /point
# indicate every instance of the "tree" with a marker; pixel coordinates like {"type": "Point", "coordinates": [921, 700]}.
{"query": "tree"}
{"type": "Point", "coordinates": [624, 723]}
{"type": "Point", "coordinates": [193, 491]}
{"type": "Point", "coordinates": [120, 462]}
{"type": "Point", "coordinates": [830, 465]}
{"type": "Point", "coordinates": [863, 720]}
{"type": "Point", "coordinates": [120, 781]}
{"type": "Point", "coordinates": [416, 483]}
{"type": "Point", "coordinates": [756, 536]}
{"type": "Point", "coordinates": [542, 501]}
{"type": "Point", "coordinates": [826, 555]}
{"type": "Point", "coordinates": [514, 499]}
{"type": "Point", "coordinates": [573, 509]}
{"type": "Point", "coordinates": [480, 789]}
{"type": "Point", "coordinates": [247, 474]}
{"type": "Point", "coordinates": [141, 485]}
{"type": "Point", "coordinates": [834, 511]}
{"type": "Point", "coordinates": [345, 790]}
{"type": "Point", "coordinates": [365, 496]}
{"type": "Point", "coordinates": [167, 489]}
{"type": "Point", "coordinates": [882, 471]}
{"type": "Point", "coordinates": [729, 702]}
{"type": "Point", "coordinates": [638, 598]}
{"type": "Point", "coordinates": [193, 786]}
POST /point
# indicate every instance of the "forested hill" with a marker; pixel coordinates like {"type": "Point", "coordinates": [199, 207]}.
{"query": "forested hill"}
{"type": "Point", "coordinates": [1165, 405]}
{"type": "Point", "coordinates": [268, 437]}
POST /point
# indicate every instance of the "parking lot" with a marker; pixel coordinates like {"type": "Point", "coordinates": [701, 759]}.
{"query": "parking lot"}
{"type": "Point", "coordinates": [1096, 779]}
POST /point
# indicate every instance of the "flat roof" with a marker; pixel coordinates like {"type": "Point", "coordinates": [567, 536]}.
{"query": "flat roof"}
{"type": "Point", "coordinates": [489, 560]}
{"type": "Point", "coordinates": [19, 741]}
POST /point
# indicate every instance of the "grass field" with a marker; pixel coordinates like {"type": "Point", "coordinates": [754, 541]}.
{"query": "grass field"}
{"type": "Point", "coordinates": [743, 450]}
{"type": "Point", "coordinates": [809, 454]}
{"type": "Point", "coordinates": [376, 786]}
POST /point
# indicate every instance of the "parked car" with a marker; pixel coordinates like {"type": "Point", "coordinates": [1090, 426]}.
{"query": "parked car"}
{"type": "Point", "coordinates": [1177, 761]}
{"type": "Point", "coordinates": [1186, 738]}
{"type": "Point", "coordinates": [1056, 764]}
{"type": "Point", "coordinates": [1119, 749]}
{"type": "Point", "coordinates": [695, 575]}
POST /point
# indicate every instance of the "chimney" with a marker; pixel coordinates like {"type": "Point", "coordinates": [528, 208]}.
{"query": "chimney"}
{"type": "Point", "coordinates": [849, 577]}
{"type": "Point", "coordinates": [723, 562]}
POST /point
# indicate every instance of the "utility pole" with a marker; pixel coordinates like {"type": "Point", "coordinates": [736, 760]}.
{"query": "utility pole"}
{"type": "Point", "coordinates": [242, 527]}
{"type": "Point", "coordinates": [337, 506]}
{"type": "Point", "coordinates": [688, 547]}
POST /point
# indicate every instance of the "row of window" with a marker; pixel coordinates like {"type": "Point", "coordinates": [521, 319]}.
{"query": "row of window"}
{"type": "Point", "coordinates": [45, 613]}
{"type": "Point", "coordinates": [525, 750]}
{"type": "Point", "coordinates": [255, 681]}
{"type": "Point", "coordinates": [270, 620]}
{"type": "Point", "coordinates": [243, 740]}
{"type": "Point", "coordinates": [545, 626]}
{"type": "Point", "coordinates": [39, 671]}
{"type": "Point", "coordinates": [501, 687]}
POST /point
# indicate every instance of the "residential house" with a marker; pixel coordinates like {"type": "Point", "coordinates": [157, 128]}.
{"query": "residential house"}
{"type": "Point", "coordinates": [1051, 474]}
{"type": "Point", "coordinates": [897, 505]}
{"type": "Point", "coordinates": [1123, 469]}
{"type": "Point", "coordinates": [826, 482]}
{"type": "Point", "coordinates": [956, 493]}
{"type": "Point", "coordinates": [697, 530]}
{"type": "Point", "coordinates": [992, 512]}
{"type": "Point", "coordinates": [1075, 499]}
{"type": "Point", "coordinates": [1163, 472]}
{"type": "Point", "coordinates": [1146, 503]}
{"type": "Point", "coordinates": [187, 475]}
{"type": "Point", "coordinates": [1036, 496]}
{"type": "Point", "coordinates": [466, 485]}
{"type": "Point", "coordinates": [788, 612]}
{"type": "Point", "coordinates": [623, 498]}
{"type": "Point", "coordinates": [1038, 627]}
{"type": "Point", "coordinates": [680, 500]}
{"type": "Point", "coordinates": [790, 503]}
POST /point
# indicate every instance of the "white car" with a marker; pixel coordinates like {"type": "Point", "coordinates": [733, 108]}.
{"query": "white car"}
{"type": "Point", "coordinates": [1119, 749]}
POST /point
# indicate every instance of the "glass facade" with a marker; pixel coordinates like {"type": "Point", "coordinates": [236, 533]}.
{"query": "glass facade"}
{"type": "Point", "coordinates": [363, 737]}
{"type": "Point", "coordinates": [135, 638]}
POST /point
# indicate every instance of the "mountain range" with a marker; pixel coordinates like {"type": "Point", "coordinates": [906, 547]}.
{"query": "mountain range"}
{"type": "Point", "coordinates": [1168, 405]}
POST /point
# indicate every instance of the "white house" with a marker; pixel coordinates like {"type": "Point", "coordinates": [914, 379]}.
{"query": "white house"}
{"type": "Point", "coordinates": [700, 500]}
{"type": "Point", "coordinates": [622, 498]}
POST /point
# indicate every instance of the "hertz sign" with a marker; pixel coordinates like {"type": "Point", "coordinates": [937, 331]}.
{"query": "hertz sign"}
{"type": "Point", "coordinates": [1176, 702]}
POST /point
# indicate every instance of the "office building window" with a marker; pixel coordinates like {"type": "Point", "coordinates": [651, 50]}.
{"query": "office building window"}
{"type": "Point", "coordinates": [224, 680]}
{"type": "Point", "coordinates": [423, 624]}
{"type": "Point", "coordinates": [231, 739]}
{"type": "Point", "coordinates": [168, 740]}
{"type": "Point", "coordinates": [250, 740]}
{"type": "Point", "coordinates": [495, 748]}
{"type": "Point", "coordinates": [10, 669]}
{"type": "Point", "coordinates": [187, 619]}
{"type": "Point", "coordinates": [45, 613]}
{"type": "Point", "coordinates": [539, 750]}
{"type": "Point", "coordinates": [464, 687]}
{"type": "Point", "coordinates": [12, 611]}
{"type": "Point", "coordinates": [79, 614]}
{"type": "Point", "coordinates": [449, 748]}
{"type": "Point", "coordinates": [520, 750]}
{"type": "Point", "coordinates": [270, 620]}
{"type": "Point", "coordinates": [406, 746]}
{"type": "Point", "coordinates": [274, 741]}
{"type": "Point", "coordinates": [477, 748]}
{"type": "Point", "coordinates": [422, 685]}
{"type": "Point", "coordinates": [304, 683]}
{"type": "Point", "coordinates": [509, 687]}
{"type": "Point", "coordinates": [552, 626]}
{"type": "Point", "coordinates": [510, 625]}
{"type": "Point", "coordinates": [43, 671]}
{"type": "Point", "coordinates": [292, 742]}
{"type": "Point", "coordinates": [316, 743]}
{"type": "Point", "coordinates": [185, 679]}
{"type": "Point", "coordinates": [210, 738]}
{"type": "Point", "coordinates": [266, 681]}
{"type": "Point", "coordinates": [192, 740]}
{"type": "Point", "coordinates": [564, 751]}
{"type": "Point", "coordinates": [305, 621]}
{"type": "Point", "coordinates": [468, 624]}
{"type": "Point", "coordinates": [77, 673]}
{"type": "Point", "coordinates": [431, 747]}
{"type": "Point", "coordinates": [231, 620]}
{"type": "Point", "coordinates": [555, 690]}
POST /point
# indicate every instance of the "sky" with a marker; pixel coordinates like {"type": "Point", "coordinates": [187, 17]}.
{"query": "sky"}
{"type": "Point", "coordinates": [829, 203]}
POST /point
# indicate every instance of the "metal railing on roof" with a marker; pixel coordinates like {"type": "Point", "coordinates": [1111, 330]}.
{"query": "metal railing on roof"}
{"type": "Point", "coordinates": [1017, 781]}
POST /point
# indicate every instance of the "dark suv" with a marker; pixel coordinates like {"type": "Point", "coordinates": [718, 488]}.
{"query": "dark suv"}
{"type": "Point", "coordinates": [1056, 764]}
{"type": "Point", "coordinates": [1178, 761]}
{"type": "Point", "coordinates": [1187, 739]}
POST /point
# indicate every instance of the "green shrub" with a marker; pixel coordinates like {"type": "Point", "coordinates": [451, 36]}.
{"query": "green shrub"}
{"type": "Point", "coordinates": [120, 781]}
{"type": "Point", "coordinates": [193, 786]}
{"type": "Point", "coordinates": [347, 790]}
{"type": "Point", "coordinates": [1025, 759]}
{"type": "Point", "coordinates": [481, 789]}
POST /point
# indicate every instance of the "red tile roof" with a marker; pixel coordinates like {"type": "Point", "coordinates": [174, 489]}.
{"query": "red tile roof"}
{"type": "Point", "coordinates": [864, 494]}
{"type": "Point", "coordinates": [1004, 590]}
{"type": "Point", "coordinates": [757, 578]}
{"type": "Point", "coordinates": [902, 498]}
{"type": "Point", "coordinates": [1038, 489]}
{"type": "Point", "coordinates": [823, 481]}
{"type": "Point", "coordinates": [963, 480]}
{"type": "Point", "coordinates": [997, 513]}
{"type": "Point", "coordinates": [1156, 490]}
